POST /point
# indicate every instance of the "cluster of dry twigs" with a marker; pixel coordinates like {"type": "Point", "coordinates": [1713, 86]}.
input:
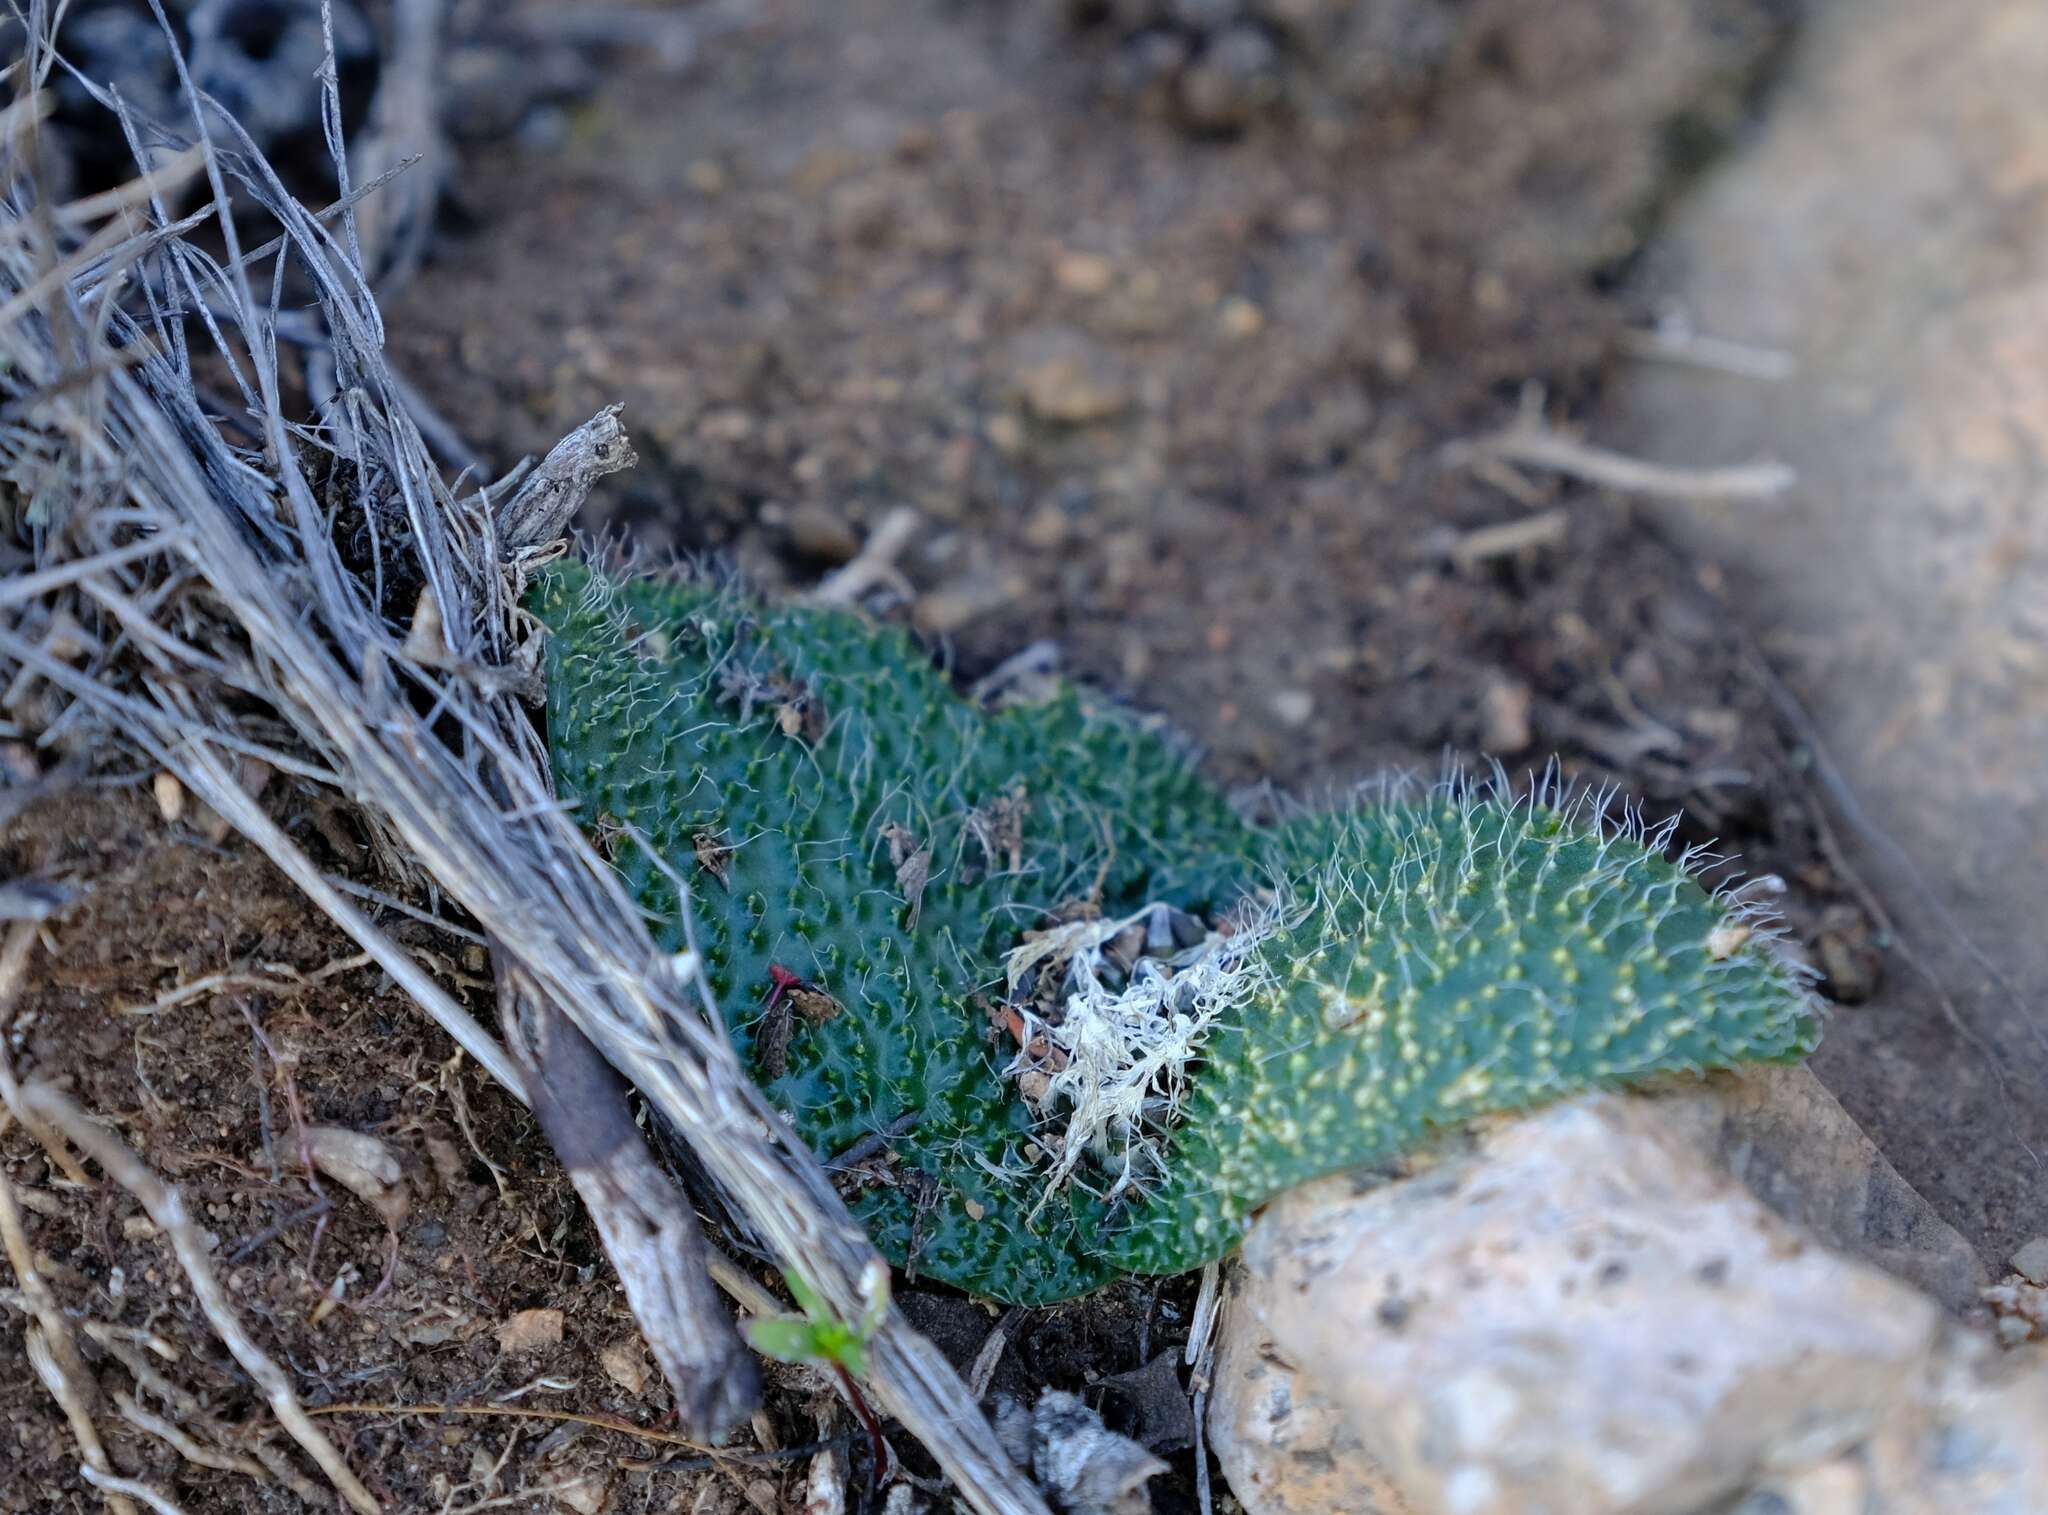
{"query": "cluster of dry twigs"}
{"type": "Point", "coordinates": [204, 566]}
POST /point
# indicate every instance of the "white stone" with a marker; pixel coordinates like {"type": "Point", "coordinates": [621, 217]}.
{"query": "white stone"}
{"type": "Point", "coordinates": [1576, 1313]}
{"type": "Point", "coordinates": [2031, 1261]}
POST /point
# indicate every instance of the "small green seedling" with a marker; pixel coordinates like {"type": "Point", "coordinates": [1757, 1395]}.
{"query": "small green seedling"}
{"type": "Point", "coordinates": [820, 1336]}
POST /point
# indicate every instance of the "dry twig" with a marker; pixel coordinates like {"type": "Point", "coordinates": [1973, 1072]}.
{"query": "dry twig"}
{"type": "Point", "coordinates": [1671, 341]}
{"type": "Point", "coordinates": [120, 1490]}
{"type": "Point", "coordinates": [1531, 440]}
{"type": "Point", "coordinates": [875, 564]}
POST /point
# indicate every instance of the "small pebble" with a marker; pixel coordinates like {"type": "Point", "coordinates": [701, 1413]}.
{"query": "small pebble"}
{"type": "Point", "coordinates": [1240, 318]}
{"type": "Point", "coordinates": [821, 533]}
{"type": "Point", "coordinates": [588, 1495]}
{"type": "Point", "coordinates": [625, 1364]}
{"type": "Point", "coordinates": [1234, 78]}
{"type": "Point", "coordinates": [1308, 216]}
{"type": "Point", "coordinates": [1046, 527]}
{"type": "Point", "coordinates": [1126, 947]}
{"type": "Point", "coordinates": [170, 796]}
{"type": "Point", "coordinates": [1504, 727]}
{"type": "Point", "coordinates": [1084, 273]}
{"type": "Point", "coordinates": [1203, 15]}
{"type": "Point", "coordinates": [1066, 378]}
{"type": "Point", "coordinates": [2031, 1261]}
{"type": "Point", "coordinates": [1850, 963]}
{"type": "Point", "coordinates": [1294, 707]}
{"type": "Point", "coordinates": [1158, 931]}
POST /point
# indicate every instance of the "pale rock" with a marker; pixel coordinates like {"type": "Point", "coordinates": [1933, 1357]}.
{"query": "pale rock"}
{"type": "Point", "coordinates": [825, 1488]}
{"type": "Point", "coordinates": [1293, 707]}
{"type": "Point", "coordinates": [2031, 1261]}
{"type": "Point", "coordinates": [362, 1164]}
{"type": "Point", "coordinates": [1792, 1144]}
{"type": "Point", "coordinates": [1965, 1439]}
{"type": "Point", "coordinates": [817, 531]}
{"type": "Point", "coordinates": [1284, 1447]}
{"type": "Point", "coordinates": [1577, 1311]}
{"type": "Point", "coordinates": [1884, 229]}
{"type": "Point", "coordinates": [170, 796]}
{"type": "Point", "coordinates": [1504, 710]}
{"type": "Point", "coordinates": [1084, 273]}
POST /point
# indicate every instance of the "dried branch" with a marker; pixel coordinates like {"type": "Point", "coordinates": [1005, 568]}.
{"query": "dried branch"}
{"type": "Point", "coordinates": [535, 518]}
{"type": "Point", "coordinates": [183, 1444]}
{"type": "Point", "coordinates": [1673, 341]}
{"type": "Point", "coordinates": [650, 1233]}
{"type": "Point", "coordinates": [404, 128]}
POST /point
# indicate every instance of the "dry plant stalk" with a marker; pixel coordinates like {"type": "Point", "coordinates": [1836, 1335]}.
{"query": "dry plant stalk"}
{"type": "Point", "coordinates": [309, 592]}
{"type": "Point", "coordinates": [1531, 440]}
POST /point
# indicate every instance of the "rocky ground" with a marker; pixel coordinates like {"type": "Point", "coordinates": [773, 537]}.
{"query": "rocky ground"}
{"type": "Point", "coordinates": [1161, 318]}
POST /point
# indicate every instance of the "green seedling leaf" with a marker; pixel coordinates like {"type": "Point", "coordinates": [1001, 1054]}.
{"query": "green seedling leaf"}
{"type": "Point", "coordinates": [785, 1339]}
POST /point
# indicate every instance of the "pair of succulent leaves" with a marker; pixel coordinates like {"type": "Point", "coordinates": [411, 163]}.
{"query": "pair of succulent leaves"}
{"type": "Point", "coordinates": [865, 849]}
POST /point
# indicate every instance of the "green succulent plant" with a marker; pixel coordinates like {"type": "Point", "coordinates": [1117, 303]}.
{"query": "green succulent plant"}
{"type": "Point", "coordinates": [1075, 1016]}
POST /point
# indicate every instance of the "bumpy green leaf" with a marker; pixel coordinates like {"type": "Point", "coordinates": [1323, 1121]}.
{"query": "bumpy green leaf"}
{"type": "Point", "coordinates": [865, 848]}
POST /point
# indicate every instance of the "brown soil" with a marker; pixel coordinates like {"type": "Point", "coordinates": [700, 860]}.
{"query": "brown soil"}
{"type": "Point", "coordinates": [1176, 404]}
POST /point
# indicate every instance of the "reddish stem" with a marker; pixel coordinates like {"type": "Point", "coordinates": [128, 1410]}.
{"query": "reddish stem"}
{"type": "Point", "coordinates": [878, 1449]}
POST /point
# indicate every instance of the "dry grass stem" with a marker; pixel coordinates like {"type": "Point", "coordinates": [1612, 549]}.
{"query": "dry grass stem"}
{"type": "Point", "coordinates": [183, 1443]}
{"type": "Point", "coordinates": [1674, 342]}
{"type": "Point", "coordinates": [246, 577]}
{"type": "Point", "coordinates": [166, 1207]}
{"type": "Point", "coordinates": [874, 565]}
{"type": "Point", "coordinates": [51, 1350]}
{"type": "Point", "coordinates": [1539, 447]}
{"type": "Point", "coordinates": [120, 1491]}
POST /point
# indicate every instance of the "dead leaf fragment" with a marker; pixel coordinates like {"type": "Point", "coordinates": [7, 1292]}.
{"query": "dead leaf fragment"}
{"type": "Point", "coordinates": [530, 1330]}
{"type": "Point", "coordinates": [588, 1495]}
{"type": "Point", "coordinates": [625, 1364]}
{"type": "Point", "coordinates": [814, 1004]}
{"type": "Point", "coordinates": [363, 1165]}
{"type": "Point", "coordinates": [714, 856]}
{"type": "Point", "coordinates": [912, 861]}
{"type": "Point", "coordinates": [771, 1038]}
